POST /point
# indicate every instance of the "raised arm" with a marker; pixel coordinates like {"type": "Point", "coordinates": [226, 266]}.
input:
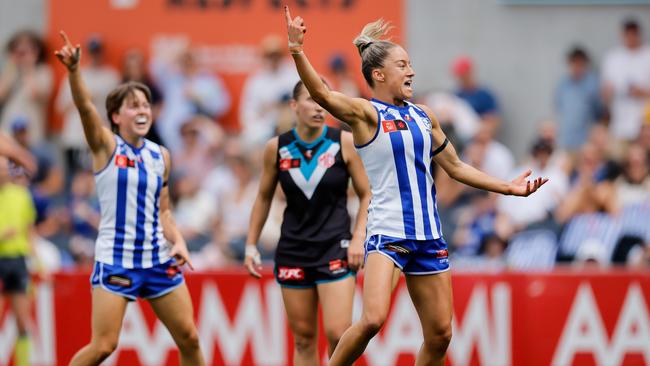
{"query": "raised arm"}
{"type": "Point", "coordinates": [447, 158]}
{"type": "Point", "coordinates": [356, 112]}
{"type": "Point", "coordinates": [99, 138]}
{"type": "Point", "coordinates": [261, 207]}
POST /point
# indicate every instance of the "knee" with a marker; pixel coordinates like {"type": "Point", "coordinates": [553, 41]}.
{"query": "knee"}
{"type": "Point", "coordinates": [304, 341]}
{"type": "Point", "coordinates": [104, 348]}
{"type": "Point", "coordinates": [437, 340]}
{"type": "Point", "coordinates": [372, 322]}
{"type": "Point", "coordinates": [188, 339]}
{"type": "Point", "coordinates": [333, 335]}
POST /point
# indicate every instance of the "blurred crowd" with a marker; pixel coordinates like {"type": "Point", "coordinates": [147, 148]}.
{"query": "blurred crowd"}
{"type": "Point", "coordinates": [595, 210]}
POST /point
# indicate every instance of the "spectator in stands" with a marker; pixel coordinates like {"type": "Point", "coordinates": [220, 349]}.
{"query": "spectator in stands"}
{"type": "Point", "coordinates": [475, 223]}
{"type": "Point", "coordinates": [342, 80]}
{"type": "Point", "coordinates": [524, 213]}
{"type": "Point", "coordinates": [633, 185]}
{"type": "Point", "coordinates": [26, 84]}
{"type": "Point", "coordinates": [100, 78]}
{"type": "Point", "coordinates": [626, 82]}
{"type": "Point", "coordinates": [457, 118]}
{"type": "Point", "coordinates": [134, 69]}
{"type": "Point", "coordinates": [187, 90]}
{"type": "Point", "coordinates": [235, 205]}
{"type": "Point", "coordinates": [265, 93]}
{"type": "Point", "coordinates": [479, 97]}
{"type": "Point", "coordinates": [587, 194]}
{"type": "Point", "coordinates": [577, 101]}
{"type": "Point", "coordinates": [47, 184]}
{"type": "Point", "coordinates": [84, 213]}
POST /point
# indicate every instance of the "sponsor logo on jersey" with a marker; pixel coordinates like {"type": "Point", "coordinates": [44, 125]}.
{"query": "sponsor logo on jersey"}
{"type": "Point", "coordinates": [291, 273]}
{"type": "Point", "coordinates": [394, 125]}
{"type": "Point", "coordinates": [286, 164]}
{"type": "Point", "coordinates": [119, 281]}
{"type": "Point", "coordinates": [444, 253]}
{"type": "Point", "coordinates": [123, 161]}
{"type": "Point", "coordinates": [326, 160]}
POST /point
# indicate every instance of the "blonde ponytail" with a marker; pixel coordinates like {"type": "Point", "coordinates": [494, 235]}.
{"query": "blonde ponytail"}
{"type": "Point", "coordinates": [370, 33]}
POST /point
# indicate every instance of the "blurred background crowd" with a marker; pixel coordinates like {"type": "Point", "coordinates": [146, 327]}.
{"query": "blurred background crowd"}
{"type": "Point", "coordinates": [595, 210]}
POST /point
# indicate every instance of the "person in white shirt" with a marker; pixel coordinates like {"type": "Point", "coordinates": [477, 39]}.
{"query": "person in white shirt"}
{"type": "Point", "coordinates": [264, 93]}
{"type": "Point", "coordinates": [626, 82]}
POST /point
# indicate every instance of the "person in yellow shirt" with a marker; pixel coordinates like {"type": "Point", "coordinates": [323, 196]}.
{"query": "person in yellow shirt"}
{"type": "Point", "coordinates": [17, 215]}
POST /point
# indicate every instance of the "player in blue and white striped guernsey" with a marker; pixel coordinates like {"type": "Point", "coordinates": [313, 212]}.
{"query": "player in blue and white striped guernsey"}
{"type": "Point", "coordinates": [398, 142]}
{"type": "Point", "coordinates": [139, 251]}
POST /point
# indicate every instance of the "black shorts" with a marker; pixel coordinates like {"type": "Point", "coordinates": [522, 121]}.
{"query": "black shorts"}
{"type": "Point", "coordinates": [14, 276]}
{"type": "Point", "coordinates": [309, 277]}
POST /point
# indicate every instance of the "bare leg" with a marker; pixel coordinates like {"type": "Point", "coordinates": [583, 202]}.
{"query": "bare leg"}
{"type": "Point", "coordinates": [107, 315]}
{"type": "Point", "coordinates": [432, 298]}
{"type": "Point", "coordinates": [175, 311]}
{"type": "Point", "coordinates": [377, 287]}
{"type": "Point", "coordinates": [336, 299]}
{"type": "Point", "coordinates": [20, 305]}
{"type": "Point", "coordinates": [302, 314]}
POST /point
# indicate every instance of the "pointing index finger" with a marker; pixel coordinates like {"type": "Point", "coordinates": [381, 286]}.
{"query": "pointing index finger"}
{"type": "Point", "coordinates": [65, 39]}
{"type": "Point", "coordinates": [287, 15]}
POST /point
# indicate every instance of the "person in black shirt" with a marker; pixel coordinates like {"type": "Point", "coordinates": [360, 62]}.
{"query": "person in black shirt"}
{"type": "Point", "coordinates": [317, 256]}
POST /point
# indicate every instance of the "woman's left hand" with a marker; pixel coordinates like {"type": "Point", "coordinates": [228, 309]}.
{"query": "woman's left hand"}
{"type": "Point", "coordinates": [182, 255]}
{"type": "Point", "coordinates": [521, 186]}
{"type": "Point", "coordinates": [356, 253]}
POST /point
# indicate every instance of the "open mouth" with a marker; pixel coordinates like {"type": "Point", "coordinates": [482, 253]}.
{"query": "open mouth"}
{"type": "Point", "coordinates": [408, 83]}
{"type": "Point", "coordinates": [318, 118]}
{"type": "Point", "coordinates": [141, 120]}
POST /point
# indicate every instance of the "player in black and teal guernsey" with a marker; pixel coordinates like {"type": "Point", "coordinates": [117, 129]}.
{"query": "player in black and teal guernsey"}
{"type": "Point", "coordinates": [317, 255]}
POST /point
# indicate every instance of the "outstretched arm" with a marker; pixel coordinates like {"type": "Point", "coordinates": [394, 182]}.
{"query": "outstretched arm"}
{"type": "Point", "coordinates": [448, 160]}
{"type": "Point", "coordinates": [99, 138]}
{"type": "Point", "coordinates": [356, 112]}
{"type": "Point", "coordinates": [261, 207]}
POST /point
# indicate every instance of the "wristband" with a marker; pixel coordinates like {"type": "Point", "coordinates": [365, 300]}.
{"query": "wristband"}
{"type": "Point", "coordinates": [251, 251]}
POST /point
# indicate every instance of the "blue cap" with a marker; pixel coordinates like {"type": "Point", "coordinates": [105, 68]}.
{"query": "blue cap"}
{"type": "Point", "coordinates": [19, 123]}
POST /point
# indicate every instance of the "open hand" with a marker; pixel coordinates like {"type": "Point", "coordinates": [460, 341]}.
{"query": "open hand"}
{"type": "Point", "coordinates": [296, 31]}
{"type": "Point", "coordinates": [521, 186]}
{"type": "Point", "coordinates": [69, 55]}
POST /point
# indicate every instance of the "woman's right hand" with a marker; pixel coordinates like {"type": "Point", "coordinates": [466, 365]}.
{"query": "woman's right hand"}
{"type": "Point", "coordinates": [253, 260]}
{"type": "Point", "coordinates": [296, 31]}
{"type": "Point", "coordinates": [69, 55]}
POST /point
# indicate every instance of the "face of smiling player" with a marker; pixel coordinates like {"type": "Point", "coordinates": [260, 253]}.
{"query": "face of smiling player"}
{"type": "Point", "coordinates": [134, 116]}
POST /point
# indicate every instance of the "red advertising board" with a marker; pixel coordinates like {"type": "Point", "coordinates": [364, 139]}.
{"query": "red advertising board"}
{"type": "Point", "coordinates": [225, 33]}
{"type": "Point", "coordinates": [560, 318]}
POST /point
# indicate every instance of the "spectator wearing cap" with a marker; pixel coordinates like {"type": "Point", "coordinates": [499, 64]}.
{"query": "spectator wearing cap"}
{"type": "Point", "coordinates": [577, 101]}
{"type": "Point", "coordinates": [479, 97]}
{"type": "Point", "coordinates": [626, 82]}
{"type": "Point", "coordinates": [100, 79]}
{"type": "Point", "coordinates": [265, 93]}
{"type": "Point", "coordinates": [25, 84]}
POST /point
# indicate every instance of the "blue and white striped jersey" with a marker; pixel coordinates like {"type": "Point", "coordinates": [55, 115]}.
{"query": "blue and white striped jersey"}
{"type": "Point", "coordinates": [130, 232]}
{"type": "Point", "coordinates": [398, 164]}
